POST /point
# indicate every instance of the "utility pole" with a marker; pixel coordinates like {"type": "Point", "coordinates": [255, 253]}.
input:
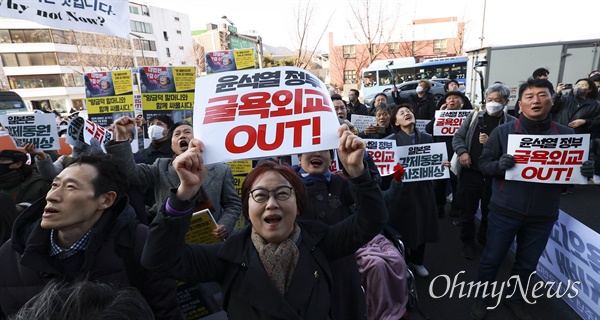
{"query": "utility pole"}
{"type": "Point", "coordinates": [483, 24]}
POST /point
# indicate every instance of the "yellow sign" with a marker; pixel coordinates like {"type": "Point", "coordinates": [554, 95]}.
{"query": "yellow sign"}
{"type": "Point", "coordinates": [244, 58]}
{"type": "Point", "coordinates": [240, 166]}
{"type": "Point", "coordinates": [167, 101]}
{"type": "Point", "coordinates": [201, 228]}
{"type": "Point", "coordinates": [110, 104]}
{"type": "Point", "coordinates": [185, 78]}
{"type": "Point", "coordinates": [122, 81]}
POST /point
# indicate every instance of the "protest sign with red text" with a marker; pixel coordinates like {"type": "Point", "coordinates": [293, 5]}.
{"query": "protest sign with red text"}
{"type": "Point", "coordinates": [447, 122]}
{"type": "Point", "coordinates": [424, 161]}
{"type": "Point", "coordinates": [384, 154]}
{"type": "Point", "coordinates": [548, 159]}
{"type": "Point", "coordinates": [254, 114]}
{"type": "Point", "coordinates": [36, 128]}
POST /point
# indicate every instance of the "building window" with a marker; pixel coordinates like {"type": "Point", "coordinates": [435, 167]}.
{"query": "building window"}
{"type": "Point", "coordinates": [394, 47]}
{"type": "Point", "coordinates": [138, 26]}
{"type": "Point", "coordinates": [65, 37]}
{"type": "Point", "coordinates": [168, 52]}
{"type": "Point", "coordinates": [349, 76]}
{"type": "Point", "coordinates": [135, 9]}
{"type": "Point", "coordinates": [176, 18]}
{"type": "Point", "coordinates": [183, 63]}
{"type": "Point", "coordinates": [180, 47]}
{"type": "Point", "coordinates": [29, 59]}
{"type": "Point", "coordinates": [374, 48]}
{"type": "Point", "coordinates": [165, 36]}
{"type": "Point", "coordinates": [146, 45]}
{"type": "Point", "coordinates": [440, 45]}
{"type": "Point", "coordinates": [178, 31]}
{"type": "Point", "coordinates": [35, 81]}
{"type": "Point", "coordinates": [145, 11]}
{"type": "Point", "coordinates": [350, 51]}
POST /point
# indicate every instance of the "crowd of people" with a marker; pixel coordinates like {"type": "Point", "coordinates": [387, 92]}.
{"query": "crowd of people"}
{"type": "Point", "coordinates": [108, 225]}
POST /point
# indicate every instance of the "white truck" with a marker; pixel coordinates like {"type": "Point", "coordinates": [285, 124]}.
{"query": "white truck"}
{"type": "Point", "coordinates": [512, 65]}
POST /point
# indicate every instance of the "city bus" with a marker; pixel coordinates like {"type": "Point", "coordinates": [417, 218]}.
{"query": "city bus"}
{"type": "Point", "coordinates": [377, 77]}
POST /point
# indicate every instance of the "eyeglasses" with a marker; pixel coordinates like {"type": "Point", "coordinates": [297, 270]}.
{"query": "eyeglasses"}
{"type": "Point", "coordinates": [281, 193]}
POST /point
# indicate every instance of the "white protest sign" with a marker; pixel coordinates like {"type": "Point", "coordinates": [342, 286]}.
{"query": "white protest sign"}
{"type": "Point", "coordinates": [101, 16]}
{"type": "Point", "coordinates": [384, 154]}
{"type": "Point", "coordinates": [253, 114]}
{"type": "Point", "coordinates": [38, 128]}
{"type": "Point", "coordinates": [361, 122]}
{"type": "Point", "coordinates": [548, 159]}
{"type": "Point", "coordinates": [420, 124]}
{"type": "Point", "coordinates": [573, 254]}
{"type": "Point", "coordinates": [447, 122]}
{"type": "Point", "coordinates": [424, 161]}
{"type": "Point", "coordinates": [94, 131]}
{"type": "Point", "coordinates": [75, 132]}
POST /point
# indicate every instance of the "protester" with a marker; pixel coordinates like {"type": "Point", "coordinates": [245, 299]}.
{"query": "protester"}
{"type": "Point", "coordinates": [84, 228]}
{"type": "Point", "coordinates": [413, 210]}
{"type": "Point", "coordinates": [86, 300]}
{"type": "Point", "coordinates": [160, 145]}
{"type": "Point", "coordinates": [468, 144]}
{"type": "Point", "coordinates": [525, 210]}
{"type": "Point", "coordinates": [354, 105]}
{"type": "Point", "coordinates": [8, 214]}
{"type": "Point", "coordinates": [276, 267]}
{"type": "Point", "coordinates": [19, 180]}
{"type": "Point", "coordinates": [384, 126]}
{"type": "Point", "coordinates": [218, 192]}
{"type": "Point", "coordinates": [453, 85]}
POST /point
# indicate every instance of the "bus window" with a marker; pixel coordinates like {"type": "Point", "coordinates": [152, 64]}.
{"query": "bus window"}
{"type": "Point", "coordinates": [369, 78]}
{"type": "Point", "coordinates": [384, 78]}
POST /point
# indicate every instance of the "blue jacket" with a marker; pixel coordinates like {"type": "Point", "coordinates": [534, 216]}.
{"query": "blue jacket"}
{"type": "Point", "coordinates": [522, 200]}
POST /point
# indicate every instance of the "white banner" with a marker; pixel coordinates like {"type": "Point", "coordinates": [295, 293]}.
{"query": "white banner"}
{"type": "Point", "coordinates": [361, 122]}
{"type": "Point", "coordinates": [38, 128]}
{"type": "Point", "coordinates": [573, 254]}
{"type": "Point", "coordinates": [447, 122]}
{"type": "Point", "coordinates": [101, 16]}
{"type": "Point", "coordinates": [424, 161]}
{"type": "Point", "coordinates": [548, 159]}
{"type": "Point", "coordinates": [384, 154]}
{"type": "Point", "coordinates": [420, 124]}
{"type": "Point", "coordinates": [254, 114]}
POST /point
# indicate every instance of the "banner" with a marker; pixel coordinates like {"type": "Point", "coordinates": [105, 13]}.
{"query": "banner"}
{"type": "Point", "coordinates": [81, 131]}
{"type": "Point", "coordinates": [168, 91]}
{"type": "Point", "coordinates": [361, 122]}
{"type": "Point", "coordinates": [262, 113]}
{"type": "Point", "coordinates": [573, 254]}
{"type": "Point", "coordinates": [109, 96]}
{"type": "Point", "coordinates": [424, 162]}
{"type": "Point", "coordinates": [384, 154]}
{"type": "Point", "coordinates": [100, 16]}
{"type": "Point", "coordinates": [39, 129]}
{"type": "Point", "coordinates": [447, 122]}
{"type": "Point", "coordinates": [548, 159]}
{"type": "Point", "coordinates": [229, 60]}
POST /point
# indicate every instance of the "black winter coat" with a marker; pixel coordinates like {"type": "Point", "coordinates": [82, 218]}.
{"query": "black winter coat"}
{"type": "Point", "coordinates": [569, 108]}
{"type": "Point", "coordinates": [27, 267]}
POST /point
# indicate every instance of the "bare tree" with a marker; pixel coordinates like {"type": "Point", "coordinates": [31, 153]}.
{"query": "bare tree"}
{"type": "Point", "coordinates": [102, 52]}
{"type": "Point", "coordinates": [303, 18]}
{"type": "Point", "coordinates": [199, 58]}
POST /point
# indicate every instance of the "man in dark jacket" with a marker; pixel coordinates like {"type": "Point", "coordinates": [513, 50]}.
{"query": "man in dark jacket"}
{"type": "Point", "coordinates": [19, 180]}
{"type": "Point", "coordinates": [354, 105]}
{"type": "Point", "coordinates": [527, 210]}
{"type": "Point", "coordinates": [83, 230]}
{"type": "Point", "coordinates": [422, 100]}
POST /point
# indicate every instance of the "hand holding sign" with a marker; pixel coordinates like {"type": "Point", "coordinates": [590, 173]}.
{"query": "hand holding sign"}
{"type": "Point", "coordinates": [351, 151]}
{"type": "Point", "coordinates": [506, 161]}
{"type": "Point", "coordinates": [190, 169]}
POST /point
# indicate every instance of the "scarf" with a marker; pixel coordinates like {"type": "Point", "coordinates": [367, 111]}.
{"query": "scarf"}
{"type": "Point", "coordinates": [12, 179]}
{"type": "Point", "coordinates": [308, 178]}
{"type": "Point", "coordinates": [279, 259]}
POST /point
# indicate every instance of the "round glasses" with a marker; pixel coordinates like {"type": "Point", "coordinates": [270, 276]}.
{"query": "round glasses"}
{"type": "Point", "coordinates": [281, 193]}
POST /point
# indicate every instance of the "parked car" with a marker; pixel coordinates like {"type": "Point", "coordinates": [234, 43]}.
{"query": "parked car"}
{"type": "Point", "coordinates": [408, 87]}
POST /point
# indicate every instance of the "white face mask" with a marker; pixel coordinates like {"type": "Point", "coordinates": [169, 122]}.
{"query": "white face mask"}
{"type": "Point", "coordinates": [419, 89]}
{"type": "Point", "coordinates": [493, 107]}
{"type": "Point", "coordinates": [156, 132]}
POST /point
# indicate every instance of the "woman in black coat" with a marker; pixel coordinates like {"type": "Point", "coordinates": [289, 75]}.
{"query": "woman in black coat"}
{"type": "Point", "coordinates": [413, 211]}
{"type": "Point", "coordinates": [277, 267]}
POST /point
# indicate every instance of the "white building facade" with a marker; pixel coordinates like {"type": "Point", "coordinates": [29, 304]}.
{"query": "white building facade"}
{"type": "Point", "coordinates": [45, 66]}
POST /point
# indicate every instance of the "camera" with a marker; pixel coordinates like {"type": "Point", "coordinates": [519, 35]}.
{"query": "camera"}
{"type": "Point", "coordinates": [380, 130]}
{"type": "Point", "coordinates": [567, 85]}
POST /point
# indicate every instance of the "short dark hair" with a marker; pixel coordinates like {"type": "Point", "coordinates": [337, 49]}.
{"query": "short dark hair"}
{"type": "Point", "coordinates": [395, 111]}
{"type": "Point", "coordinates": [355, 91]}
{"type": "Point", "coordinates": [283, 170]}
{"type": "Point", "coordinates": [336, 97]}
{"type": "Point", "coordinates": [85, 300]}
{"type": "Point", "coordinates": [595, 77]}
{"type": "Point", "coordinates": [164, 118]}
{"type": "Point", "coordinates": [591, 85]}
{"type": "Point", "coordinates": [111, 176]}
{"type": "Point", "coordinates": [540, 72]}
{"type": "Point", "coordinates": [181, 123]}
{"type": "Point", "coordinates": [535, 83]}
{"type": "Point", "coordinates": [447, 84]}
{"type": "Point", "coordinates": [379, 94]}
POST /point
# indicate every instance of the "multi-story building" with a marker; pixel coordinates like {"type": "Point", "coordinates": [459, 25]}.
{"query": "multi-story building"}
{"type": "Point", "coordinates": [425, 38]}
{"type": "Point", "coordinates": [45, 65]}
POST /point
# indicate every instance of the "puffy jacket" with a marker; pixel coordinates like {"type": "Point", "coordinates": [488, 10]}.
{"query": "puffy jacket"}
{"type": "Point", "coordinates": [523, 200]}
{"type": "Point", "coordinates": [569, 108]}
{"type": "Point", "coordinates": [27, 266]}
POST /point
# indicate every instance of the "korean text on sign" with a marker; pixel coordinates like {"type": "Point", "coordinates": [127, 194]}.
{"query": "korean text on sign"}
{"type": "Point", "coordinates": [447, 122]}
{"type": "Point", "coordinates": [424, 161]}
{"type": "Point", "coordinates": [269, 112]}
{"type": "Point", "coordinates": [548, 159]}
{"type": "Point", "coordinates": [38, 129]}
{"type": "Point", "coordinates": [384, 154]}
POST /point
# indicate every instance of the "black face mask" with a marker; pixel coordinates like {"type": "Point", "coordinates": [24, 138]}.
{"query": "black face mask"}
{"type": "Point", "coordinates": [4, 168]}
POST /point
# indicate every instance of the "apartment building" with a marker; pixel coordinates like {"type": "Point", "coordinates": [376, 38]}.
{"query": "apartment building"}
{"type": "Point", "coordinates": [45, 65]}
